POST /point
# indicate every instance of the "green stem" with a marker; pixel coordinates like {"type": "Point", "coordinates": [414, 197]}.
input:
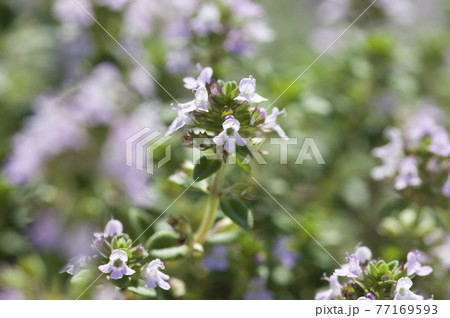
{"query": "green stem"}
{"type": "Point", "coordinates": [213, 203]}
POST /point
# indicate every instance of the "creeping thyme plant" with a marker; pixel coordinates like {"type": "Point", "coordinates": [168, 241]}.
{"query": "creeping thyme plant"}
{"type": "Point", "coordinates": [374, 279]}
{"type": "Point", "coordinates": [226, 124]}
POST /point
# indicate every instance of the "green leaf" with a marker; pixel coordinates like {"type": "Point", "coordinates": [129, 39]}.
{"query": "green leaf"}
{"type": "Point", "coordinates": [121, 283]}
{"type": "Point", "coordinates": [223, 238]}
{"type": "Point", "coordinates": [393, 265]}
{"type": "Point", "coordinates": [374, 271]}
{"type": "Point", "coordinates": [237, 211]}
{"type": "Point", "coordinates": [170, 253]}
{"type": "Point", "coordinates": [141, 290]}
{"type": "Point", "coordinates": [205, 168]}
{"type": "Point", "coordinates": [243, 166]}
{"type": "Point", "coordinates": [162, 239]}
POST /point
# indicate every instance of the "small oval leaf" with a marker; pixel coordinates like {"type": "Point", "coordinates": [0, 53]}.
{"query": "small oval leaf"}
{"type": "Point", "coordinates": [238, 212]}
{"type": "Point", "coordinates": [162, 239]}
{"type": "Point", "coordinates": [170, 253]}
{"type": "Point", "coordinates": [205, 168]}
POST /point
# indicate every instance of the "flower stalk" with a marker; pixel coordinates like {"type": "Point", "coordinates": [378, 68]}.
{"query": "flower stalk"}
{"type": "Point", "coordinates": [211, 207]}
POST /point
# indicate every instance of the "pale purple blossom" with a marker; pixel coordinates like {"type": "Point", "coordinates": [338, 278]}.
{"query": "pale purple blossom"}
{"type": "Point", "coordinates": [203, 79]}
{"type": "Point", "coordinates": [154, 277]}
{"type": "Point", "coordinates": [283, 254]}
{"type": "Point", "coordinates": [257, 290]}
{"type": "Point", "coordinates": [75, 264]}
{"type": "Point", "coordinates": [333, 291]}
{"type": "Point", "coordinates": [390, 154]}
{"type": "Point", "coordinates": [440, 143]}
{"type": "Point", "coordinates": [350, 269]}
{"type": "Point", "coordinates": [117, 265]}
{"type": "Point", "coordinates": [369, 296]}
{"type": "Point", "coordinates": [413, 266]}
{"type": "Point", "coordinates": [183, 118]}
{"type": "Point", "coordinates": [247, 87]}
{"type": "Point", "coordinates": [408, 174]}
{"type": "Point", "coordinates": [218, 258]}
{"type": "Point", "coordinates": [270, 122]}
{"type": "Point", "coordinates": [402, 290]}
{"type": "Point", "coordinates": [424, 122]}
{"type": "Point", "coordinates": [229, 137]}
{"type": "Point", "coordinates": [200, 103]}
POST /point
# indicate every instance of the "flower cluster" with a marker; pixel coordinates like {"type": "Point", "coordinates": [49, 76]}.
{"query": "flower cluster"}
{"type": "Point", "coordinates": [374, 279]}
{"type": "Point", "coordinates": [63, 124]}
{"type": "Point", "coordinates": [185, 27]}
{"type": "Point", "coordinates": [226, 114]}
{"type": "Point", "coordinates": [127, 266]}
{"type": "Point", "coordinates": [417, 156]}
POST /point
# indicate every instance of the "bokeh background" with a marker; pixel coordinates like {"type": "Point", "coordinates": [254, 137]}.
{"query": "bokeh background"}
{"type": "Point", "coordinates": [70, 96]}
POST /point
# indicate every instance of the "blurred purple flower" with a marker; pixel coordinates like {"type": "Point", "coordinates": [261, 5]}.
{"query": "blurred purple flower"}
{"type": "Point", "coordinates": [99, 95]}
{"type": "Point", "coordinates": [50, 131]}
{"type": "Point", "coordinates": [135, 183]}
{"type": "Point", "coordinates": [75, 264]}
{"type": "Point", "coordinates": [281, 251]}
{"type": "Point", "coordinates": [390, 154]}
{"type": "Point", "coordinates": [256, 290]}
{"type": "Point", "coordinates": [46, 231]}
{"type": "Point", "coordinates": [11, 294]}
{"type": "Point", "coordinates": [207, 19]}
{"type": "Point", "coordinates": [413, 266]}
{"type": "Point", "coordinates": [236, 42]}
{"type": "Point", "coordinates": [408, 174]}
{"type": "Point", "coordinates": [71, 12]}
{"type": "Point", "coordinates": [117, 265]}
{"type": "Point", "coordinates": [333, 291]}
{"type": "Point", "coordinates": [218, 258]}
{"type": "Point", "coordinates": [424, 122]}
{"type": "Point", "coordinates": [107, 292]}
{"type": "Point", "coordinates": [440, 143]}
{"type": "Point", "coordinates": [178, 61]}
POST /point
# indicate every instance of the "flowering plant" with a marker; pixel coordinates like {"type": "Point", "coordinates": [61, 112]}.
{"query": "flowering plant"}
{"type": "Point", "coordinates": [374, 279]}
{"type": "Point", "coordinates": [127, 266]}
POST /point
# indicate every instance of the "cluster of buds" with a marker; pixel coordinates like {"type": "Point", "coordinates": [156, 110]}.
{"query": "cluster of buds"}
{"type": "Point", "coordinates": [127, 266]}
{"type": "Point", "coordinates": [418, 157]}
{"type": "Point", "coordinates": [224, 114]}
{"type": "Point", "coordinates": [374, 279]}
